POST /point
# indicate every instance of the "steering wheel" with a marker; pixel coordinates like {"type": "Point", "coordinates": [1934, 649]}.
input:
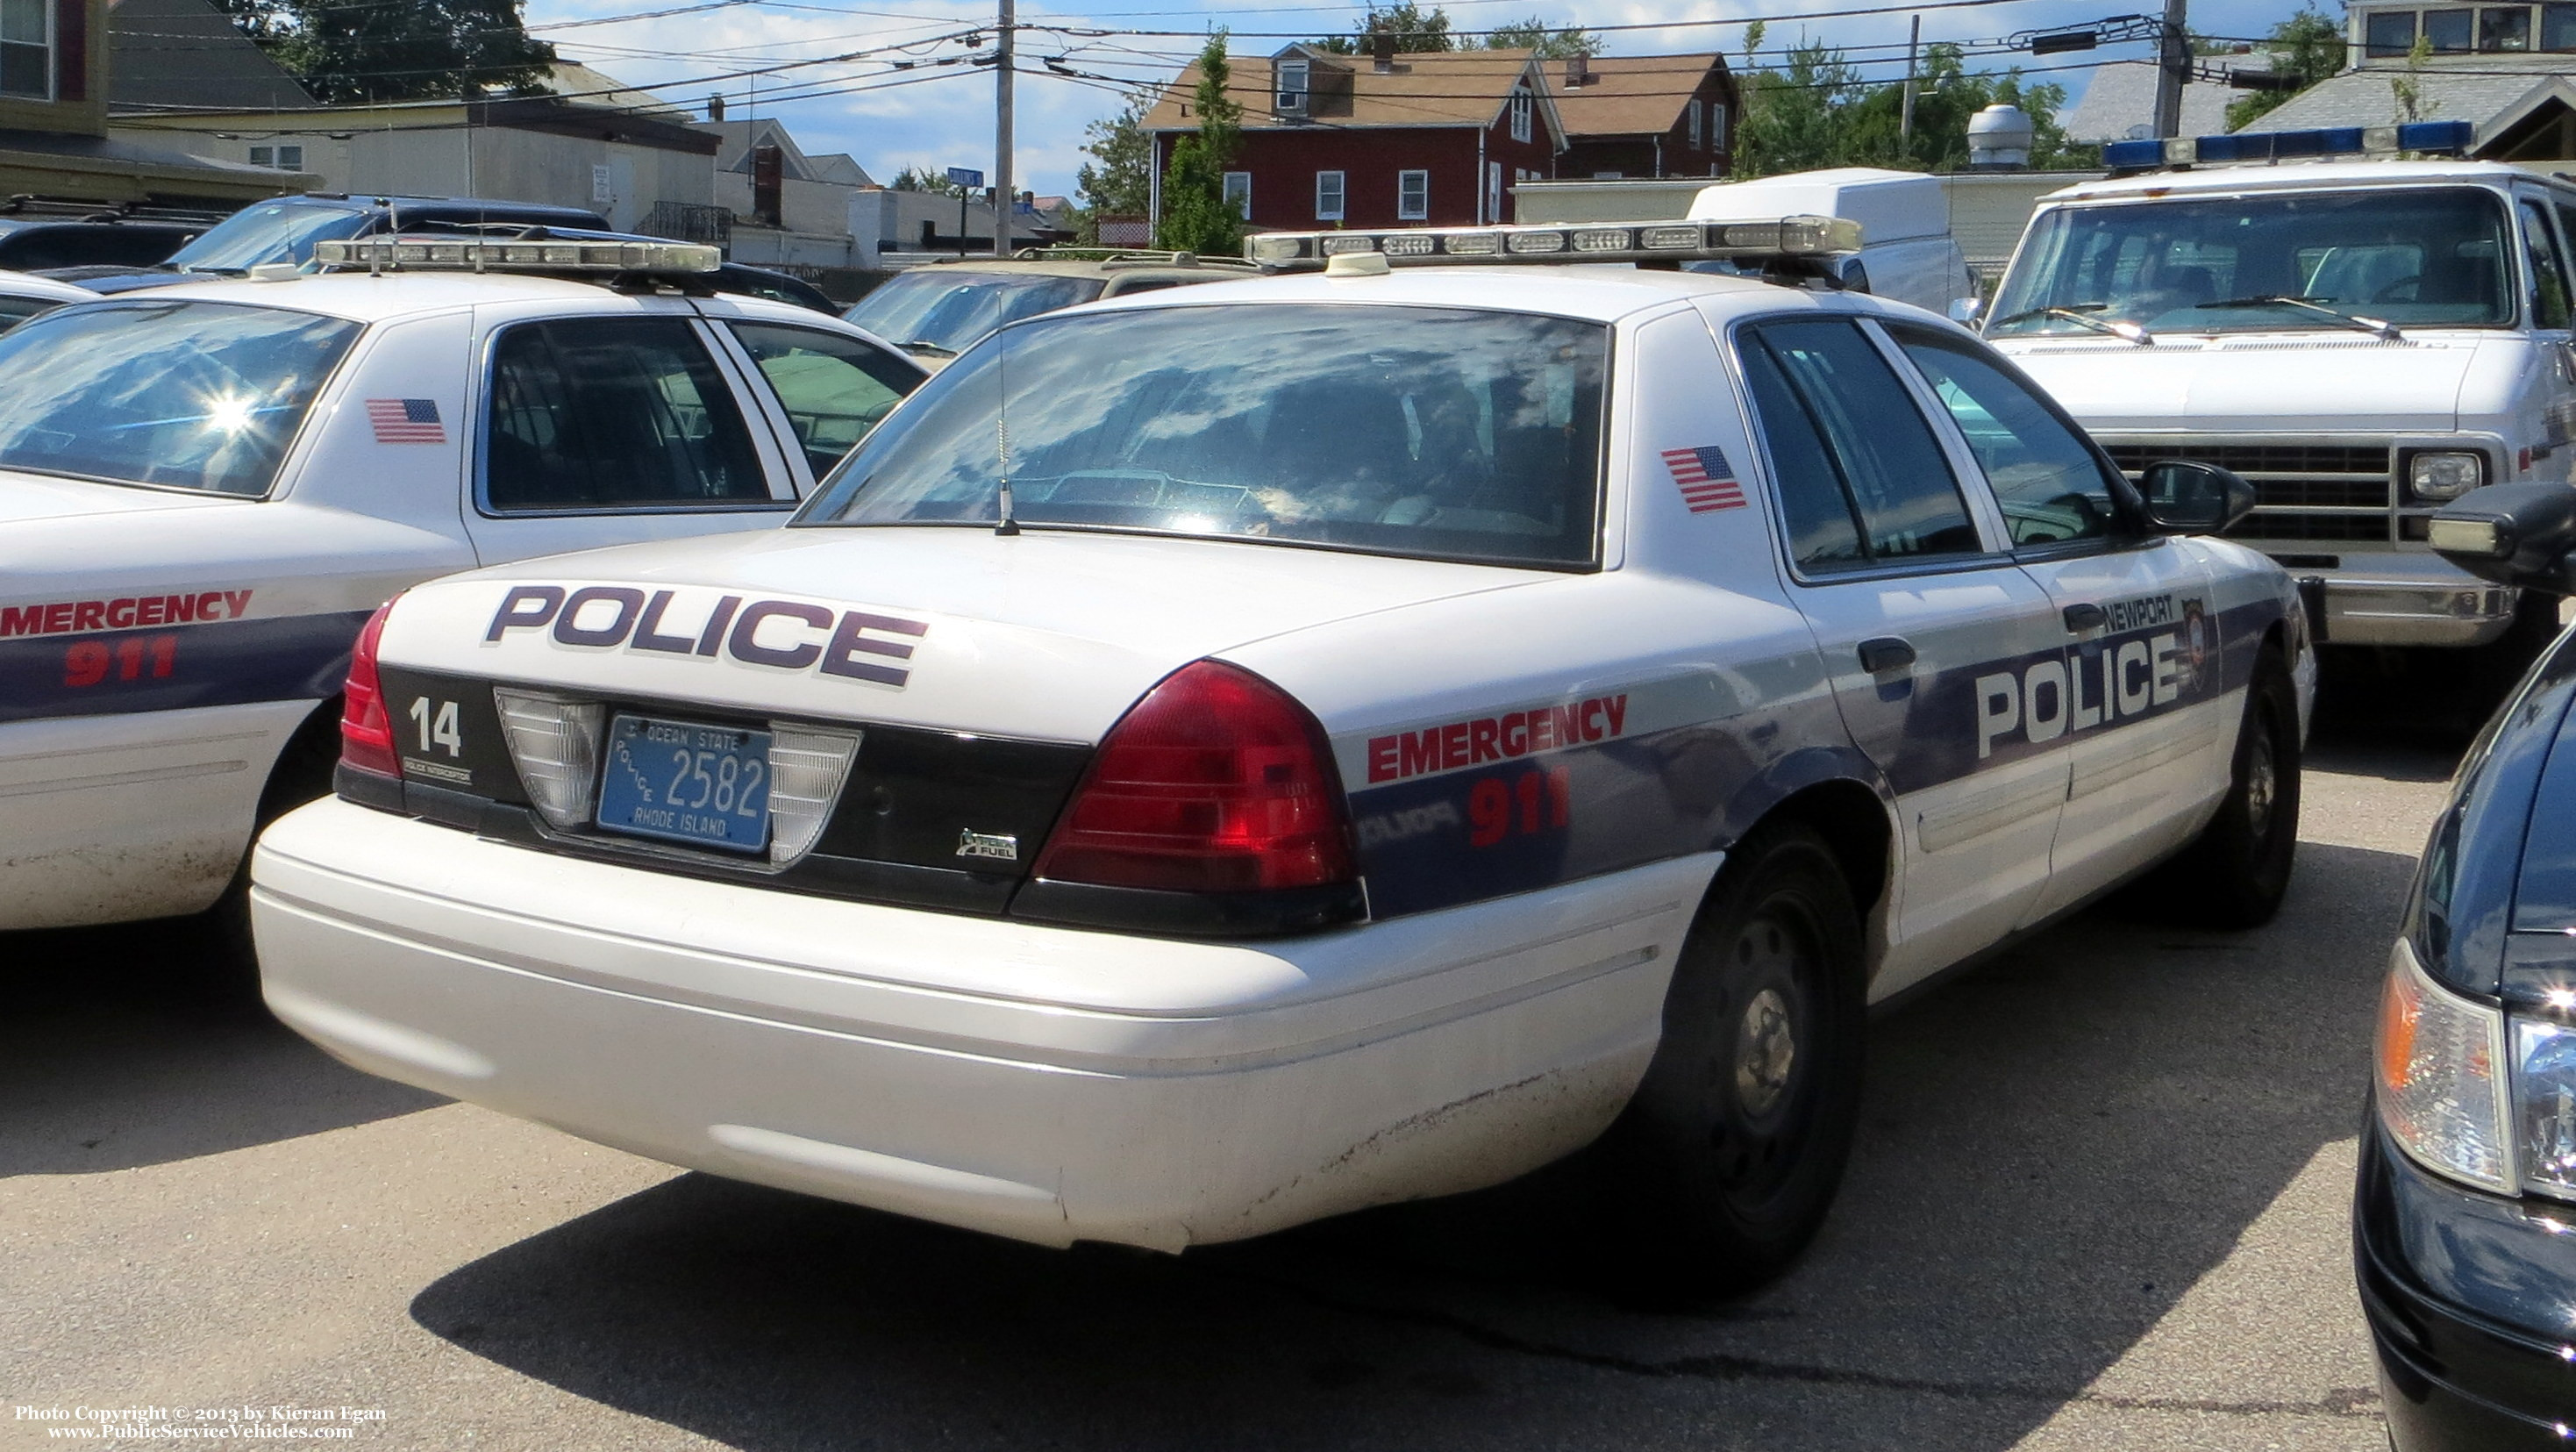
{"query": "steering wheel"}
{"type": "Point", "coordinates": [2413, 280]}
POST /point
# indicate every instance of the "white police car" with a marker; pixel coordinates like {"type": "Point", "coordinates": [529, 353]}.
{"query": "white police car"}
{"type": "Point", "coordinates": [205, 489]}
{"type": "Point", "coordinates": [1270, 748]}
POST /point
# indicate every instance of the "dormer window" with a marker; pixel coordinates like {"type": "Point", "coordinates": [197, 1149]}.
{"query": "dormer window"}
{"type": "Point", "coordinates": [1521, 106]}
{"type": "Point", "coordinates": [1291, 100]}
{"type": "Point", "coordinates": [2391, 33]}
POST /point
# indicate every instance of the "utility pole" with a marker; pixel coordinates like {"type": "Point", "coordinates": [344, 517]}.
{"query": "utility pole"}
{"type": "Point", "coordinates": [1905, 119]}
{"type": "Point", "coordinates": [1002, 194]}
{"type": "Point", "coordinates": [2176, 68]}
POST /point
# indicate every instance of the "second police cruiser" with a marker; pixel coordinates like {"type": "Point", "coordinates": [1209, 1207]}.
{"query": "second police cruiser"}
{"type": "Point", "coordinates": [206, 489]}
{"type": "Point", "coordinates": [2363, 339]}
{"type": "Point", "coordinates": [1271, 748]}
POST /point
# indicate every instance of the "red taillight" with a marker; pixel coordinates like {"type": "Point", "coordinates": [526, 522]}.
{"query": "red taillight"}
{"type": "Point", "coordinates": [1215, 782]}
{"type": "Point", "coordinates": [366, 733]}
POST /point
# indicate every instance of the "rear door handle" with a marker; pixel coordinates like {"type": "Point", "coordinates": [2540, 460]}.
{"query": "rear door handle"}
{"type": "Point", "coordinates": [2081, 618]}
{"type": "Point", "coordinates": [1885, 653]}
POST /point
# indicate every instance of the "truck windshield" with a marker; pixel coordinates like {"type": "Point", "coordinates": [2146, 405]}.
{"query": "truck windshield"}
{"type": "Point", "coordinates": [185, 395]}
{"type": "Point", "coordinates": [269, 232]}
{"type": "Point", "coordinates": [1438, 433]}
{"type": "Point", "coordinates": [2429, 257]}
{"type": "Point", "coordinates": [946, 310]}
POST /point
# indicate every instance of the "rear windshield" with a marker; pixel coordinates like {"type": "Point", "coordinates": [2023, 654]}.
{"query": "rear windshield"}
{"type": "Point", "coordinates": [185, 395]}
{"type": "Point", "coordinates": [1430, 432]}
{"type": "Point", "coordinates": [947, 310]}
{"type": "Point", "coordinates": [269, 232]}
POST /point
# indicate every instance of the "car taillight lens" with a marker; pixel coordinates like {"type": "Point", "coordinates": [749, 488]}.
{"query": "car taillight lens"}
{"type": "Point", "coordinates": [1217, 781]}
{"type": "Point", "coordinates": [366, 732]}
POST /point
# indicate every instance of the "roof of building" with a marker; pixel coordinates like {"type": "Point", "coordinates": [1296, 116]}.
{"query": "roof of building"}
{"type": "Point", "coordinates": [1630, 95]}
{"type": "Point", "coordinates": [2490, 91]}
{"type": "Point", "coordinates": [1423, 88]}
{"type": "Point", "coordinates": [2119, 103]}
{"type": "Point", "coordinates": [584, 86]}
{"type": "Point", "coordinates": [736, 138]}
{"type": "Point", "coordinates": [188, 53]}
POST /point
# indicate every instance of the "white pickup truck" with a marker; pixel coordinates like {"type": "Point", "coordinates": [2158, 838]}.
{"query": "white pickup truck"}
{"type": "Point", "coordinates": [2363, 340]}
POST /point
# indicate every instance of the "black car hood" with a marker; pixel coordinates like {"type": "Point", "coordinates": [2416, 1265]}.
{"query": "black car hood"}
{"type": "Point", "coordinates": [2496, 906]}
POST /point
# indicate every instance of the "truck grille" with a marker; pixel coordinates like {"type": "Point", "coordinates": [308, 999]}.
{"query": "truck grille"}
{"type": "Point", "coordinates": [2306, 489]}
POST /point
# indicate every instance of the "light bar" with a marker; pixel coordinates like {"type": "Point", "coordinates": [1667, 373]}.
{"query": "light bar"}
{"type": "Point", "coordinates": [483, 254]}
{"type": "Point", "coordinates": [2426, 138]}
{"type": "Point", "coordinates": [1585, 242]}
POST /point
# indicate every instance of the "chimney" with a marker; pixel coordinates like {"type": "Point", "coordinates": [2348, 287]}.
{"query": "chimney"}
{"type": "Point", "coordinates": [1382, 50]}
{"type": "Point", "coordinates": [1578, 71]}
{"type": "Point", "coordinates": [715, 108]}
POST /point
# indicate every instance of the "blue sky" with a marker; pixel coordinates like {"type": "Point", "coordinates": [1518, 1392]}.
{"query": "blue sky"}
{"type": "Point", "coordinates": [888, 80]}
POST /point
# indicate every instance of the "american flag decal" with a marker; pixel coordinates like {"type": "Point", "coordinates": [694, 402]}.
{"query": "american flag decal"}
{"type": "Point", "coordinates": [406, 421]}
{"type": "Point", "coordinates": [1705, 479]}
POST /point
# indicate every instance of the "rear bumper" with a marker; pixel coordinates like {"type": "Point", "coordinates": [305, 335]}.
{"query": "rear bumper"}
{"type": "Point", "coordinates": [2471, 1300]}
{"type": "Point", "coordinates": [1043, 1083]}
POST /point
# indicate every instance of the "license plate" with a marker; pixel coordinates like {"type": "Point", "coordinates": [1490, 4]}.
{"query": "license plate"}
{"type": "Point", "coordinates": [682, 781]}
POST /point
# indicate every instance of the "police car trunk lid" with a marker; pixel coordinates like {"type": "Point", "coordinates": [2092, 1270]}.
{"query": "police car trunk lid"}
{"type": "Point", "coordinates": [28, 497]}
{"type": "Point", "coordinates": [1045, 636]}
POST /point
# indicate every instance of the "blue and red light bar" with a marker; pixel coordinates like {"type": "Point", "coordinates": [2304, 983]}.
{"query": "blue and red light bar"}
{"type": "Point", "coordinates": [2419, 138]}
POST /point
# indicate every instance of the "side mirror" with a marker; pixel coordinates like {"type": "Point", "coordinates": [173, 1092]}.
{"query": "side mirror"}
{"type": "Point", "coordinates": [2513, 534]}
{"type": "Point", "coordinates": [2186, 496]}
{"type": "Point", "coordinates": [1965, 310]}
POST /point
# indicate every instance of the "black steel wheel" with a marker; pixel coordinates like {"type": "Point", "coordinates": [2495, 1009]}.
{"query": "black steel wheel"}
{"type": "Point", "coordinates": [2236, 872]}
{"type": "Point", "coordinates": [1725, 1162]}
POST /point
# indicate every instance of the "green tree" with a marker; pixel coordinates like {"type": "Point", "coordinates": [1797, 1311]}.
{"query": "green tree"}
{"type": "Point", "coordinates": [1551, 42]}
{"type": "Point", "coordinates": [421, 50]}
{"type": "Point", "coordinates": [1796, 118]}
{"type": "Point", "coordinates": [923, 179]}
{"type": "Point", "coordinates": [1197, 214]}
{"type": "Point", "coordinates": [1119, 178]}
{"type": "Point", "coordinates": [1414, 28]}
{"type": "Point", "coordinates": [2307, 48]}
{"type": "Point", "coordinates": [1814, 112]}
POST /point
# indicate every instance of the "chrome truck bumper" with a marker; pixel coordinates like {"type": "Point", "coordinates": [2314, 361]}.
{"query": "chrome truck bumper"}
{"type": "Point", "coordinates": [2401, 599]}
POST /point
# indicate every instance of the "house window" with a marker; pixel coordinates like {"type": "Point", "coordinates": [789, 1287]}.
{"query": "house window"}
{"type": "Point", "coordinates": [27, 49]}
{"type": "Point", "coordinates": [1493, 191]}
{"type": "Point", "coordinates": [2388, 33]}
{"type": "Point", "coordinates": [290, 158]}
{"type": "Point", "coordinates": [263, 156]}
{"type": "Point", "coordinates": [1292, 88]}
{"type": "Point", "coordinates": [1690, 114]}
{"type": "Point", "coordinates": [1520, 115]}
{"type": "Point", "coordinates": [2558, 27]}
{"type": "Point", "coordinates": [2504, 28]}
{"type": "Point", "coordinates": [1412, 196]}
{"type": "Point", "coordinates": [1717, 125]}
{"type": "Point", "coordinates": [1328, 196]}
{"type": "Point", "coordinates": [2447, 31]}
{"type": "Point", "coordinates": [1238, 192]}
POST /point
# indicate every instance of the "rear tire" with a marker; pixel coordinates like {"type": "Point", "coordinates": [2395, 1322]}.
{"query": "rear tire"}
{"type": "Point", "coordinates": [2235, 873]}
{"type": "Point", "coordinates": [1724, 1164]}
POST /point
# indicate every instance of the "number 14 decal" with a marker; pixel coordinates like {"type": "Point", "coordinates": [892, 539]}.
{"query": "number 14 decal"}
{"type": "Point", "coordinates": [1497, 808]}
{"type": "Point", "coordinates": [437, 728]}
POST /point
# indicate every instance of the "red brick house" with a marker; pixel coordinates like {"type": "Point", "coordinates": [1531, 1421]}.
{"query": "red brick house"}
{"type": "Point", "coordinates": [1645, 115]}
{"type": "Point", "coordinates": [1433, 138]}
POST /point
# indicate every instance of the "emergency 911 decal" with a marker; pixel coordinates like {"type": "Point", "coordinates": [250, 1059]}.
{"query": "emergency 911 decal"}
{"type": "Point", "coordinates": [164, 651]}
{"type": "Point", "coordinates": [707, 624]}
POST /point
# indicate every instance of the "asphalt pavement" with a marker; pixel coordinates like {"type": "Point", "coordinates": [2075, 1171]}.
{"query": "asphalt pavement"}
{"type": "Point", "coordinates": [2098, 1203]}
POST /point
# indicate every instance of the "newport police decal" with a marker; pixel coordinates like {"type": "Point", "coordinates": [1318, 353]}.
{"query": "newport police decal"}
{"type": "Point", "coordinates": [2154, 652]}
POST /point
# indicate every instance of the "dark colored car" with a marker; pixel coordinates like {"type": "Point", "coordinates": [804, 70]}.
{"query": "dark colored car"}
{"type": "Point", "coordinates": [287, 228]}
{"type": "Point", "coordinates": [35, 244]}
{"type": "Point", "coordinates": [2464, 1217]}
{"type": "Point", "coordinates": [749, 281]}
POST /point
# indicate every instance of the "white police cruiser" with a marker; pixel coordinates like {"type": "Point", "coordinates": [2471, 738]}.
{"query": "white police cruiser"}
{"type": "Point", "coordinates": [204, 490]}
{"type": "Point", "coordinates": [2364, 340]}
{"type": "Point", "coordinates": [1264, 749]}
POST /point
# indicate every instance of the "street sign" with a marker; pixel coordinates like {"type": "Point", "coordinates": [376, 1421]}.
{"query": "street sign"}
{"type": "Point", "coordinates": [960, 176]}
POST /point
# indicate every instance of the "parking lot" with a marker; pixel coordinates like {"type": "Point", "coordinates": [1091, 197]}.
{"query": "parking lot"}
{"type": "Point", "coordinates": [2099, 1202]}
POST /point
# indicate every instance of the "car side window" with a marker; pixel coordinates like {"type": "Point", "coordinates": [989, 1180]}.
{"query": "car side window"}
{"type": "Point", "coordinates": [1881, 450]}
{"type": "Point", "coordinates": [2548, 275]}
{"type": "Point", "coordinates": [834, 389]}
{"type": "Point", "coordinates": [613, 413]}
{"type": "Point", "coordinates": [2052, 488]}
{"type": "Point", "coordinates": [1823, 532]}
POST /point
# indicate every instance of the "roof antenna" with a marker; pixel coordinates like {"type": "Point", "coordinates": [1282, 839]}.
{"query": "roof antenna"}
{"type": "Point", "coordinates": [1010, 524]}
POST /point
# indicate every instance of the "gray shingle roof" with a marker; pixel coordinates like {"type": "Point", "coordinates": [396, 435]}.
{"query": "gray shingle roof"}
{"type": "Point", "coordinates": [2479, 94]}
{"type": "Point", "coordinates": [2122, 95]}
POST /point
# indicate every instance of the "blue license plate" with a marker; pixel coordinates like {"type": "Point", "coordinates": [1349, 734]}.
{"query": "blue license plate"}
{"type": "Point", "coordinates": [682, 781]}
